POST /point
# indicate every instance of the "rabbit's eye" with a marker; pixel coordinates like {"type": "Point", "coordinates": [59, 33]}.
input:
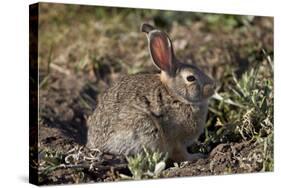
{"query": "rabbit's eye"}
{"type": "Point", "coordinates": [190, 78]}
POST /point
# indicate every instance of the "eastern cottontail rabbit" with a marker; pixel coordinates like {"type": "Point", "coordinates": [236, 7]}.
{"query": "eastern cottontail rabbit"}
{"type": "Point", "coordinates": [163, 112]}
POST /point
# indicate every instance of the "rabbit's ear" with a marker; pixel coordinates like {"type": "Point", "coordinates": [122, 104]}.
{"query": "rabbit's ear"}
{"type": "Point", "coordinates": [161, 51]}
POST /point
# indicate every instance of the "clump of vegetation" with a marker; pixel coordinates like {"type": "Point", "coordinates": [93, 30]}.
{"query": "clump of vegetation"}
{"type": "Point", "coordinates": [146, 165]}
{"type": "Point", "coordinates": [49, 160]}
{"type": "Point", "coordinates": [243, 110]}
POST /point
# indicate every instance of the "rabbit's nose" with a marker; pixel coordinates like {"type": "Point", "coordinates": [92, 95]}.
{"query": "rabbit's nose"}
{"type": "Point", "coordinates": [208, 90]}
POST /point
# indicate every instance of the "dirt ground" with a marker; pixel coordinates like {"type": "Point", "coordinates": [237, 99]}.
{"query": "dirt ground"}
{"type": "Point", "coordinates": [83, 50]}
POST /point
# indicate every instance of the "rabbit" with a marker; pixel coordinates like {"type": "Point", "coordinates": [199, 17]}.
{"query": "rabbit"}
{"type": "Point", "coordinates": [163, 112]}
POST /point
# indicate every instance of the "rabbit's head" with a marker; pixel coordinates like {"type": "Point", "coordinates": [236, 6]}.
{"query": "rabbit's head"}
{"type": "Point", "coordinates": [185, 81]}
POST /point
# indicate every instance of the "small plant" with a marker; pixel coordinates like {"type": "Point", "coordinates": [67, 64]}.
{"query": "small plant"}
{"type": "Point", "coordinates": [49, 160]}
{"type": "Point", "coordinates": [147, 164]}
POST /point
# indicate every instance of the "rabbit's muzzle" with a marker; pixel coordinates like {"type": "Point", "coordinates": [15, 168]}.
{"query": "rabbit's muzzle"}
{"type": "Point", "coordinates": [208, 90]}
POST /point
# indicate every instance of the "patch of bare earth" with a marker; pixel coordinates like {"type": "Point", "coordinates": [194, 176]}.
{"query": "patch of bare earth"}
{"type": "Point", "coordinates": [228, 158]}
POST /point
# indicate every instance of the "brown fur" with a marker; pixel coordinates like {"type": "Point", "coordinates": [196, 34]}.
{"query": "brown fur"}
{"type": "Point", "coordinates": [162, 112]}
